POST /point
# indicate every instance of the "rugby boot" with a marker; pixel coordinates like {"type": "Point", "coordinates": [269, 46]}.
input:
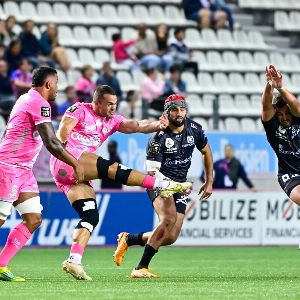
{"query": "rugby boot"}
{"type": "Point", "coordinates": [143, 273]}
{"type": "Point", "coordinates": [7, 275]}
{"type": "Point", "coordinates": [176, 187]}
{"type": "Point", "coordinates": [121, 249]}
{"type": "Point", "coordinates": [75, 270]}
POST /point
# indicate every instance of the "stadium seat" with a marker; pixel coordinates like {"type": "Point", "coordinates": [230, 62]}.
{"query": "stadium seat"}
{"type": "Point", "coordinates": [237, 83]}
{"type": "Point", "coordinates": [205, 83]}
{"type": "Point", "coordinates": [256, 39]}
{"type": "Point", "coordinates": [86, 57]}
{"type": "Point", "coordinates": [77, 12]}
{"type": "Point", "coordinates": [230, 61]}
{"type": "Point", "coordinates": [241, 40]}
{"type": "Point", "coordinates": [259, 125]}
{"type": "Point", "coordinates": [253, 82]}
{"type": "Point", "coordinates": [174, 16]}
{"type": "Point", "coordinates": [277, 59]}
{"type": "Point", "coordinates": [243, 104]}
{"type": "Point", "coordinates": [73, 58]}
{"type": "Point", "coordinates": [209, 39]}
{"type": "Point", "coordinates": [192, 86]}
{"type": "Point", "coordinates": [221, 83]}
{"type": "Point", "coordinates": [261, 60]}
{"type": "Point", "coordinates": [72, 76]}
{"type": "Point", "coordinates": [208, 100]}
{"type": "Point", "coordinates": [282, 21]}
{"type": "Point", "coordinates": [101, 56]}
{"type": "Point", "coordinates": [292, 62]}
{"type": "Point", "coordinates": [93, 13]}
{"type": "Point", "coordinates": [195, 105]}
{"type": "Point", "coordinates": [200, 58]}
{"type": "Point", "coordinates": [61, 13]}
{"type": "Point", "coordinates": [232, 124]}
{"type": "Point", "coordinates": [62, 80]}
{"type": "Point", "coordinates": [295, 83]}
{"type": "Point", "coordinates": [225, 38]}
{"type": "Point", "coordinates": [128, 33]}
{"type": "Point", "coordinates": [28, 11]}
{"type": "Point", "coordinates": [44, 12]}
{"type": "Point", "coordinates": [246, 60]}
{"type": "Point", "coordinates": [81, 36]}
{"type": "Point", "coordinates": [214, 60]}
{"type": "Point", "coordinates": [227, 106]}
{"type": "Point", "coordinates": [65, 36]}
{"type": "Point", "coordinates": [193, 38]}
{"type": "Point", "coordinates": [109, 14]}
{"type": "Point", "coordinates": [126, 81]}
{"type": "Point", "coordinates": [98, 37]}
{"type": "Point", "coordinates": [109, 32]}
{"type": "Point", "coordinates": [256, 104]}
{"type": "Point", "coordinates": [12, 8]}
{"type": "Point", "coordinates": [141, 14]}
{"type": "Point", "coordinates": [157, 14]}
{"type": "Point", "coordinates": [125, 15]}
{"type": "Point", "coordinates": [248, 124]}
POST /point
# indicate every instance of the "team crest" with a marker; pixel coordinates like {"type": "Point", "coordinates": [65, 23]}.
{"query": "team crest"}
{"type": "Point", "coordinates": [190, 139]}
{"type": "Point", "coordinates": [169, 143]}
{"type": "Point", "coordinates": [154, 148]}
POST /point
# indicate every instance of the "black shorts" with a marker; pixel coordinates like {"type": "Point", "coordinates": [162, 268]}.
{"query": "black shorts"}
{"type": "Point", "coordinates": [180, 200]}
{"type": "Point", "coordinates": [288, 181]}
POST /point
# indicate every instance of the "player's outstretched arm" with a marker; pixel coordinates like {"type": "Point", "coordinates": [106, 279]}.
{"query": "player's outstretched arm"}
{"type": "Point", "coordinates": [206, 188]}
{"type": "Point", "coordinates": [268, 111]}
{"type": "Point", "coordinates": [144, 126]}
{"type": "Point", "coordinates": [289, 98]}
{"type": "Point", "coordinates": [55, 147]}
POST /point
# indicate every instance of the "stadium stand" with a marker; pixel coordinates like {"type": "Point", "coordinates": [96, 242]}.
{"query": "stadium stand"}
{"type": "Point", "coordinates": [231, 63]}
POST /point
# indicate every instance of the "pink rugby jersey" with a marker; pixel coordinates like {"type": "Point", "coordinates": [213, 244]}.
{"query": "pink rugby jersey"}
{"type": "Point", "coordinates": [91, 130]}
{"type": "Point", "coordinates": [22, 142]}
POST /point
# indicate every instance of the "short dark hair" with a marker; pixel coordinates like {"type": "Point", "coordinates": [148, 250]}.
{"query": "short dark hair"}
{"type": "Point", "coordinates": [279, 102]}
{"type": "Point", "coordinates": [116, 36]}
{"type": "Point", "coordinates": [101, 90]}
{"type": "Point", "coordinates": [41, 74]}
{"type": "Point", "coordinates": [178, 30]}
{"type": "Point", "coordinates": [175, 68]}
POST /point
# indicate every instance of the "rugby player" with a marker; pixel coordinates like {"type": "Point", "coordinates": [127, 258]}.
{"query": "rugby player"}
{"type": "Point", "coordinates": [29, 126]}
{"type": "Point", "coordinates": [169, 154]}
{"type": "Point", "coordinates": [84, 127]}
{"type": "Point", "coordinates": [281, 120]}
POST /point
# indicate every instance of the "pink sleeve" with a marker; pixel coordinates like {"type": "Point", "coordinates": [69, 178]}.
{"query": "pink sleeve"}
{"type": "Point", "coordinates": [74, 111]}
{"type": "Point", "coordinates": [118, 119]}
{"type": "Point", "coordinates": [39, 111]}
{"type": "Point", "coordinates": [128, 43]}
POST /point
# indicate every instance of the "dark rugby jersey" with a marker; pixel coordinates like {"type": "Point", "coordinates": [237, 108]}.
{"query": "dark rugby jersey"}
{"type": "Point", "coordinates": [286, 144]}
{"type": "Point", "coordinates": [174, 150]}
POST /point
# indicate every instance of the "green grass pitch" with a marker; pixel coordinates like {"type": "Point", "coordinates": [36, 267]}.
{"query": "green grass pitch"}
{"type": "Point", "coordinates": [186, 273]}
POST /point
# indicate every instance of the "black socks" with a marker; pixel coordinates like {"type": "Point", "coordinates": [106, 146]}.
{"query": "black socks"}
{"type": "Point", "coordinates": [149, 252]}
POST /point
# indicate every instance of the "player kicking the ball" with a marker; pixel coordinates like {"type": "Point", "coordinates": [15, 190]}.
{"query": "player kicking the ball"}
{"type": "Point", "coordinates": [28, 128]}
{"type": "Point", "coordinates": [169, 154]}
{"type": "Point", "coordinates": [84, 127]}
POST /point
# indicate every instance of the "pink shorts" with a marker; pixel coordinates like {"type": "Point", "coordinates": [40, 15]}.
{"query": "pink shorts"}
{"type": "Point", "coordinates": [62, 173]}
{"type": "Point", "coordinates": [14, 180]}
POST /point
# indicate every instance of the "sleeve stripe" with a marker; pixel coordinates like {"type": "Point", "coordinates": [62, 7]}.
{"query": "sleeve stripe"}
{"type": "Point", "coordinates": [44, 121]}
{"type": "Point", "coordinates": [72, 117]}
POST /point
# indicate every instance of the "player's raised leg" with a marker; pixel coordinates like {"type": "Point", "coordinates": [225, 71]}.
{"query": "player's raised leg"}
{"type": "Point", "coordinates": [98, 167]}
{"type": "Point", "coordinates": [28, 206]}
{"type": "Point", "coordinates": [83, 199]}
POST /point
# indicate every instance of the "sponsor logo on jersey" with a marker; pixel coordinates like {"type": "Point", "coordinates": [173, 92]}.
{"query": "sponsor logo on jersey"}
{"type": "Point", "coordinates": [92, 141]}
{"type": "Point", "coordinates": [87, 127]}
{"type": "Point", "coordinates": [190, 139]}
{"type": "Point", "coordinates": [154, 148]}
{"type": "Point", "coordinates": [169, 143]}
{"type": "Point", "coordinates": [170, 162]}
{"type": "Point", "coordinates": [14, 192]}
{"type": "Point", "coordinates": [45, 111]}
{"type": "Point", "coordinates": [72, 108]}
{"type": "Point", "coordinates": [194, 126]}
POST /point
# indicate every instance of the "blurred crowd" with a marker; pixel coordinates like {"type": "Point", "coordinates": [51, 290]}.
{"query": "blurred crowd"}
{"type": "Point", "coordinates": [161, 54]}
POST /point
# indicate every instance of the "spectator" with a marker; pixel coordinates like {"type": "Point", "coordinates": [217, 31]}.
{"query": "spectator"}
{"type": "Point", "coordinates": [208, 13]}
{"type": "Point", "coordinates": [4, 37]}
{"type": "Point", "coordinates": [146, 48]}
{"type": "Point", "coordinates": [127, 108]}
{"type": "Point", "coordinates": [228, 171]}
{"type": "Point", "coordinates": [50, 47]}
{"type": "Point", "coordinates": [108, 78]}
{"type": "Point", "coordinates": [122, 51]}
{"type": "Point", "coordinates": [175, 85]}
{"type": "Point", "coordinates": [13, 55]}
{"type": "Point", "coordinates": [151, 89]}
{"type": "Point", "coordinates": [114, 157]}
{"type": "Point", "coordinates": [84, 86]}
{"type": "Point", "coordinates": [31, 48]}
{"type": "Point", "coordinates": [21, 78]}
{"type": "Point", "coordinates": [10, 23]}
{"type": "Point", "coordinates": [162, 37]}
{"type": "Point", "coordinates": [7, 98]}
{"type": "Point", "coordinates": [71, 99]}
{"type": "Point", "coordinates": [180, 52]}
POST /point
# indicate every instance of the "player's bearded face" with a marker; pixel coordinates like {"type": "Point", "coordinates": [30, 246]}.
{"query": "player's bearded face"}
{"type": "Point", "coordinates": [53, 88]}
{"type": "Point", "coordinates": [177, 116]}
{"type": "Point", "coordinates": [285, 117]}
